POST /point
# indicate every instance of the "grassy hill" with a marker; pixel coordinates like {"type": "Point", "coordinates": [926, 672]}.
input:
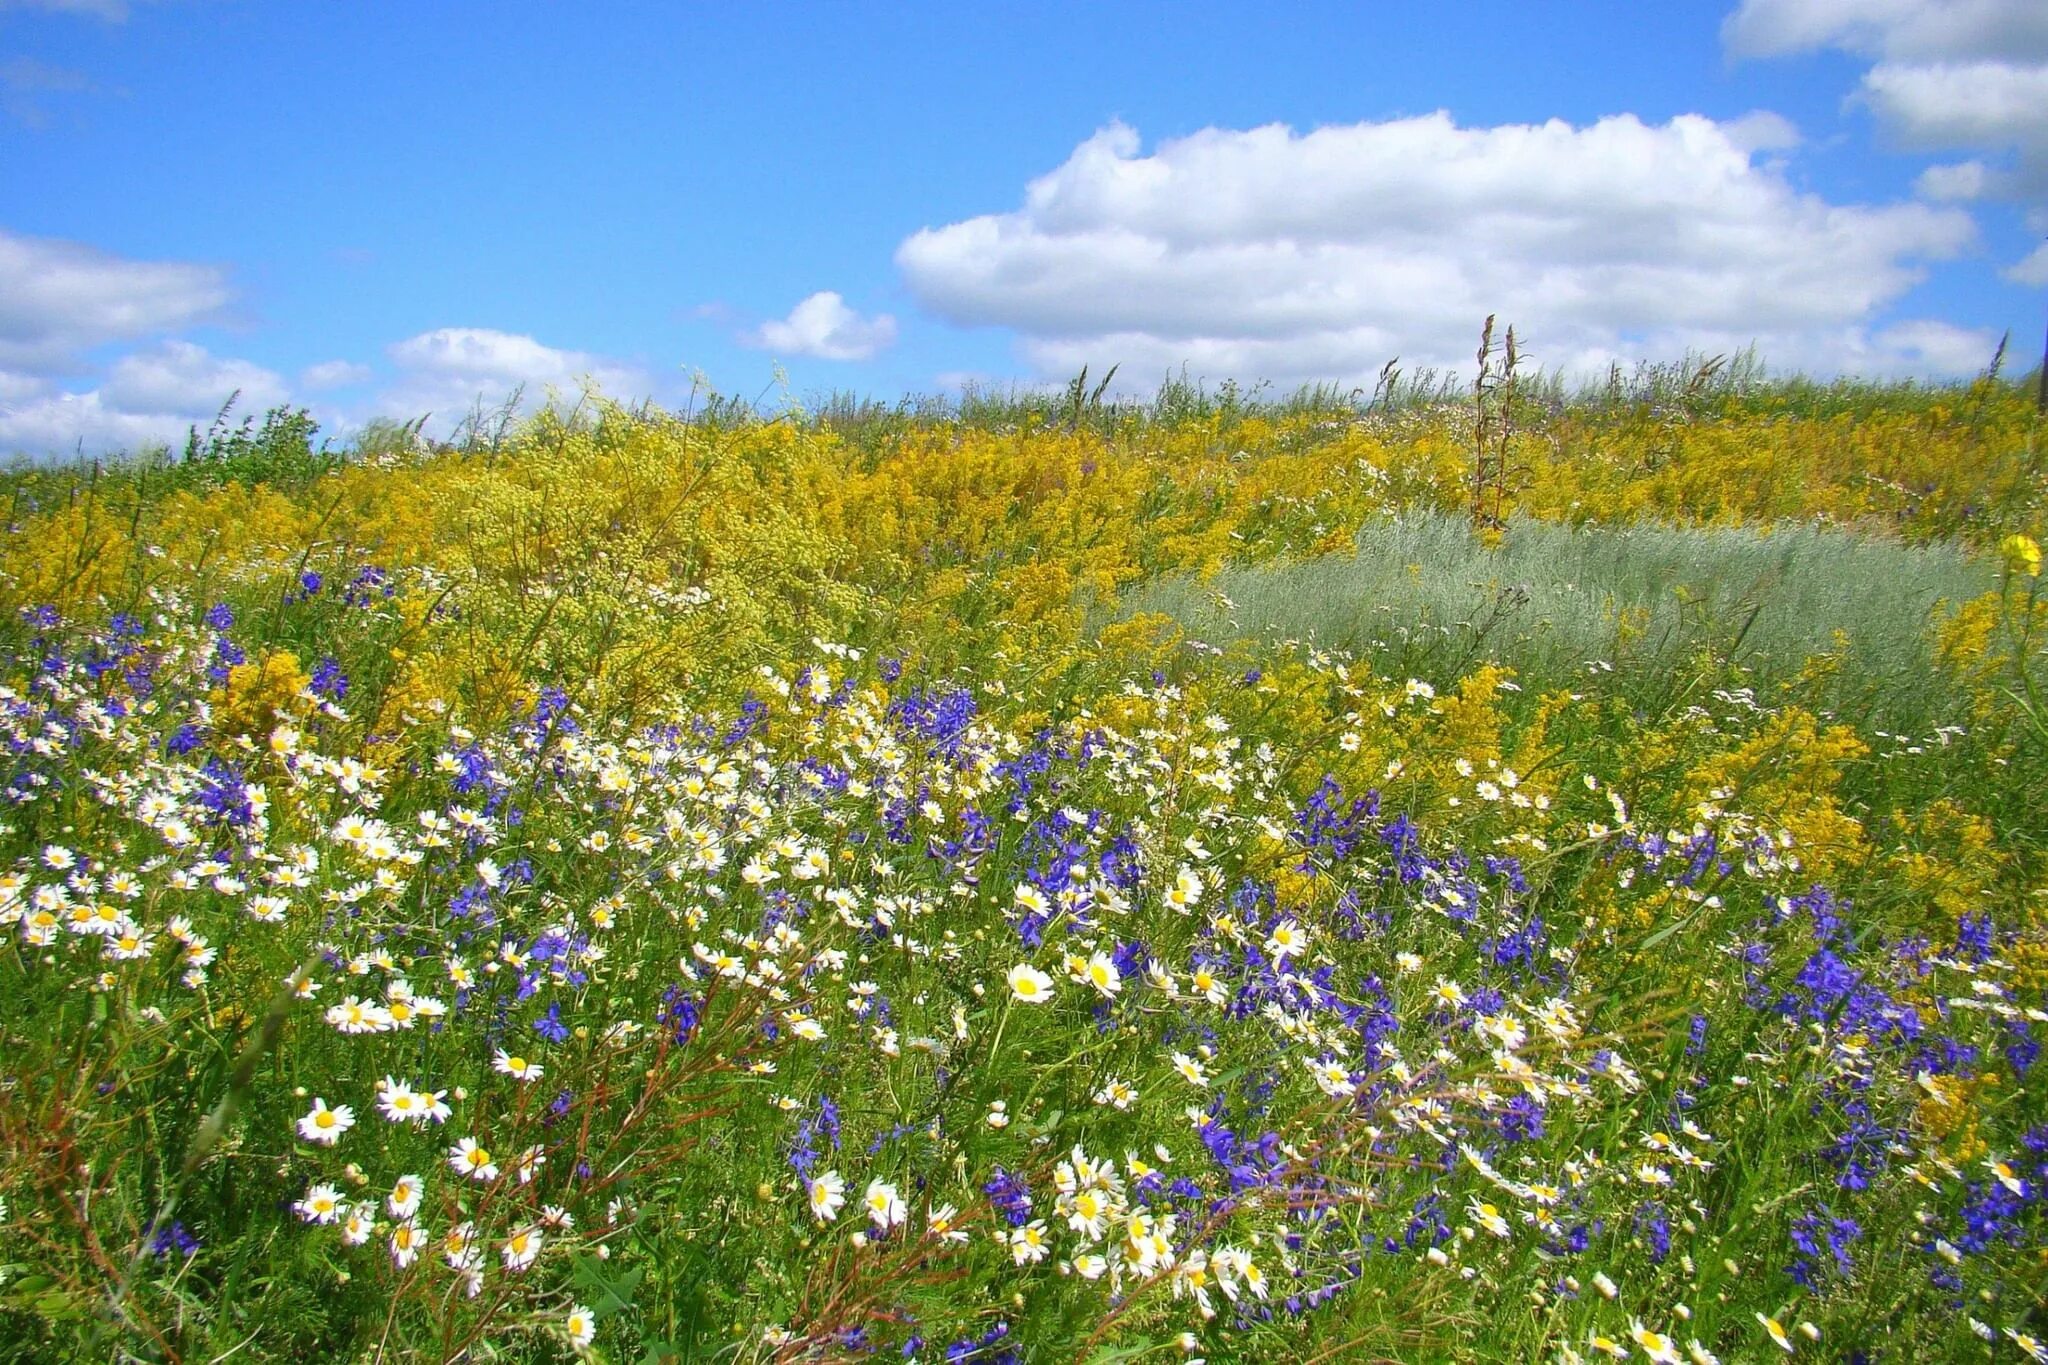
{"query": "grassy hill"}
{"type": "Point", "coordinates": [1036, 878]}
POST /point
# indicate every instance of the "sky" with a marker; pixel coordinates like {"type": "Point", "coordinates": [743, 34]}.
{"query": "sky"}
{"type": "Point", "coordinates": [404, 210]}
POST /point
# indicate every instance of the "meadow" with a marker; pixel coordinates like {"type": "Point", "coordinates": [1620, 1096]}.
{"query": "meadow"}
{"type": "Point", "coordinates": [1037, 878]}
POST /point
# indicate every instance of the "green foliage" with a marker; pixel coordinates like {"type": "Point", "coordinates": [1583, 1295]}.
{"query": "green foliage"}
{"type": "Point", "coordinates": [277, 450]}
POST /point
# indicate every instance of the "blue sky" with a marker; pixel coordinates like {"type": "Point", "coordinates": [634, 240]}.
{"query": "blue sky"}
{"type": "Point", "coordinates": [394, 208]}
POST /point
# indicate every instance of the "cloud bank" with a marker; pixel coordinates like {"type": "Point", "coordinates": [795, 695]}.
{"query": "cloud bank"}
{"type": "Point", "coordinates": [1269, 253]}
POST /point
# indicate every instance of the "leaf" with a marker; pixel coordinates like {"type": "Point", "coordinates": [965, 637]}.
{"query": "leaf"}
{"type": "Point", "coordinates": [1124, 1350]}
{"type": "Point", "coordinates": [28, 1286]}
{"type": "Point", "coordinates": [608, 1294]}
{"type": "Point", "coordinates": [1666, 932]}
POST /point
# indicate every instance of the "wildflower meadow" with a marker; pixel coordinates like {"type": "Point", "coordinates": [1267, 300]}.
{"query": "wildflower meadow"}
{"type": "Point", "coordinates": [1521, 875]}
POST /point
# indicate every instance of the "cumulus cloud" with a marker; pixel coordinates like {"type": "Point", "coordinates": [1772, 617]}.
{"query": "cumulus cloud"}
{"type": "Point", "coordinates": [1953, 180]}
{"type": "Point", "coordinates": [2030, 269]}
{"type": "Point", "coordinates": [333, 374]}
{"type": "Point", "coordinates": [823, 326]}
{"type": "Point", "coordinates": [16, 388]}
{"type": "Point", "coordinates": [59, 299]}
{"type": "Point", "coordinates": [1267, 253]}
{"type": "Point", "coordinates": [64, 423]}
{"type": "Point", "coordinates": [1960, 104]}
{"type": "Point", "coordinates": [147, 397]}
{"type": "Point", "coordinates": [450, 371]}
{"type": "Point", "coordinates": [181, 377]}
{"type": "Point", "coordinates": [1948, 74]}
{"type": "Point", "coordinates": [1907, 30]}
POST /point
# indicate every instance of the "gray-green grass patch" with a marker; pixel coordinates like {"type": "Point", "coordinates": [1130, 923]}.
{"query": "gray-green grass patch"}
{"type": "Point", "coordinates": [1422, 594]}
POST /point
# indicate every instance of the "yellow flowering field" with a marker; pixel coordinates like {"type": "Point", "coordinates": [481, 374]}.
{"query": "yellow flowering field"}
{"type": "Point", "coordinates": [1035, 883]}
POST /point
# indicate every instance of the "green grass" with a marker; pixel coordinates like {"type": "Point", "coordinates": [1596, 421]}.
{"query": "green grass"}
{"type": "Point", "coordinates": [1556, 603]}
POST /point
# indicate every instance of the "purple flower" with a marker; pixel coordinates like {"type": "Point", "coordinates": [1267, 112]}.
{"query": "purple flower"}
{"type": "Point", "coordinates": [171, 1241]}
{"type": "Point", "coordinates": [550, 1025]}
{"type": "Point", "coordinates": [1011, 1196]}
{"type": "Point", "coordinates": [329, 681]}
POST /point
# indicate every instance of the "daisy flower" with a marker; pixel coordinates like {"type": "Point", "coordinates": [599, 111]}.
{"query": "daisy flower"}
{"type": "Point", "coordinates": [1029, 985]}
{"type": "Point", "coordinates": [1658, 1347]}
{"type": "Point", "coordinates": [406, 1240]}
{"type": "Point", "coordinates": [1331, 1075]}
{"type": "Point", "coordinates": [827, 1194]}
{"type": "Point", "coordinates": [324, 1125]}
{"type": "Point", "coordinates": [1777, 1333]}
{"type": "Point", "coordinates": [1488, 1217]}
{"type": "Point", "coordinates": [521, 1248]}
{"type": "Point", "coordinates": [468, 1158]}
{"type": "Point", "coordinates": [360, 1223]}
{"type": "Point", "coordinates": [459, 1248]}
{"type": "Point", "coordinates": [404, 1200]}
{"type": "Point", "coordinates": [1028, 1245]}
{"type": "Point", "coordinates": [518, 1068]}
{"type": "Point", "coordinates": [1287, 940]}
{"type": "Point", "coordinates": [528, 1163]}
{"type": "Point", "coordinates": [579, 1326]}
{"type": "Point", "coordinates": [943, 1223]}
{"type": "Point", "coordinates": [399, 1102]}
{"type": "Point", "coordinates": [1102, 974]}
{"type": "Point", "coordinates": [322, 1204]}
{"type": "Point", "coordinates": [1117, 1094]}
{"type": "Point", "coordinates": [1088, 1213]}
{"type": "Point", "coordinates": [884, 1206]}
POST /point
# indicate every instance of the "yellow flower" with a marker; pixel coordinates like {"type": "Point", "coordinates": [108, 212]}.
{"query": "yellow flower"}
{"type": "Point", "coordinates": [2022, 555]}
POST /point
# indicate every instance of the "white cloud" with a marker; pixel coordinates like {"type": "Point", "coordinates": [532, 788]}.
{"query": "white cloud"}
{"type": "Point", "coordinates": [17, 388]}
{"type": "Point", "coordinates": [61, 300]}
{"type": "Point", "coordinates": [1272, 254]}
{"type": "Point", "coordinates": [1957, 104]}
{"type": "Point", "coordinates": [180, 377]}
{"type": "Point", "coordinates": [1953, 181]}
{"type": "Point", "coordinates": [450, 371]}
{"type": "Point", "coordinates": [1926, 347]}
{"type": "Point", "coordinates": [1949, 74]}
{"type": "Point", "coordinates": [2031, 268]}
{"type": "Point", "coordinates": [58, 299]}
{"type": "Point", "coordinates": [147, 397]}
{"type": "Point", "coordinates": [63, 423]}
{"type": "Point", "coordinates": [333, 374]}
{"type": "Point", "coordinates": [1907, 30]}
{"type": "Point", "coordinates": [1991, 104]}
{"type": "Point", "coordinates": [823, 326]}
